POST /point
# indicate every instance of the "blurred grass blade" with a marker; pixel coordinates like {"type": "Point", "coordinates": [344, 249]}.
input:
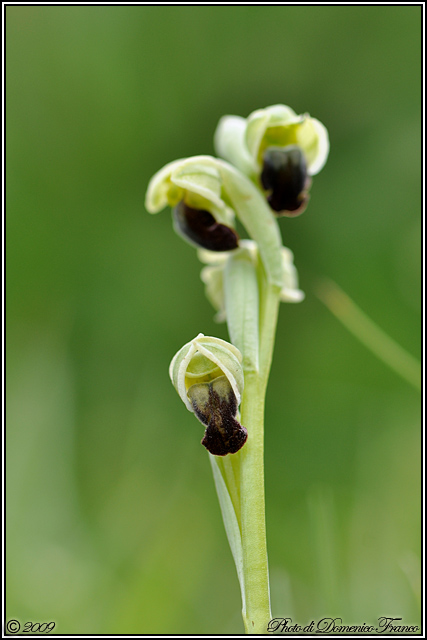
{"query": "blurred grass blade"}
{"type": "Point", "coordinates": [369, 333]}
{"type": "Point", "coordinates": [411, 567]}
{"type": "Point", "coordinates": [324, 534]}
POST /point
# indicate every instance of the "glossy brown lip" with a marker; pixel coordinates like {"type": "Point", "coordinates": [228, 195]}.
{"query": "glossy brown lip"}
{"type": "Point", "coordinates": [200, 227]}
{"type": "Point", "coordinates": [284, 177]}
{"type": "Point", "coordinates": [224, 434]}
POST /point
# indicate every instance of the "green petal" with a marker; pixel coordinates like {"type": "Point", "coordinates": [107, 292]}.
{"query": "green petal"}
{"type": "Point", "coordinates": [213, 278]}
{"type": "Point", "coordinates": [203, 359]}
{"type": "Point", "coordinates": [161, 190]}
{"type": "Point", "coordinates": [290, 291]}
{"type": "Point", "coordinates": [197, 179]}
{"type": "Point", "coordinates": [200, 179]}
{"type": "Point", "coordinates": [312, 137]}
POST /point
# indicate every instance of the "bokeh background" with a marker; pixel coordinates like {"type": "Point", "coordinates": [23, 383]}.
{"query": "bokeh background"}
{"type": "Point", "coordinates": [113, 522]}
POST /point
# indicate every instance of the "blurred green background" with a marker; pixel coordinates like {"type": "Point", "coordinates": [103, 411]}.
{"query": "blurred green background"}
{"type": "Point", "coordinates": [113, 521]}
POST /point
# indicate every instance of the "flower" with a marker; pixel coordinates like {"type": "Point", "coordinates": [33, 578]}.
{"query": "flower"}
{"type": "Point", "coordinates": [279, 150]}
{"type": "Point", "coordinates": [193, 188]}
{"type": "Point", "coordinates": [208, 376]}
{"type": "Point", "coordinates": [212, 275]}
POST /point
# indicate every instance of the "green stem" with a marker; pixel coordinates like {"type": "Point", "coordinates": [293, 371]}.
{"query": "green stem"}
{"type": "Point", "coordinates": [252, 500]}
{"type": "Point", "coordinates": [269, 311]}
{"type": "Point", "coordinates": [252, 295]}
{"type": "Point", "coordinates": [252, 309]}
{"type": "Point", "coordinates": [256, 612]}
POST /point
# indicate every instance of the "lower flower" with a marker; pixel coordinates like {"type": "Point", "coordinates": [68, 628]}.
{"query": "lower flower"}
{"type": "Point", "coordinates": [208, 375]}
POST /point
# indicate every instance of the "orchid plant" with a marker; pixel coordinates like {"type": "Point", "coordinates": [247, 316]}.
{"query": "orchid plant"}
{"type": "Point", "coordinates": [263, 171]}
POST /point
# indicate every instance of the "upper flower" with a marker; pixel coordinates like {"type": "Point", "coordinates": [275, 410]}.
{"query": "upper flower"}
{"type": "Point", "coordinates": [279, 150]}
{"type": "Point", "coordinates": [193, 187]}
{"type": "Point", "coordinates": [206, 194]}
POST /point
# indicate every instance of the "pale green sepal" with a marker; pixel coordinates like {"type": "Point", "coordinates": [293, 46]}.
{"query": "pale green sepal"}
{"type": "Point", "coordinates": [178, 368]}
{"type": "Point", "coordinates": [195, 180]}
{"type": "Point", "coordinates": [312, 137]}
{"type": "Point", "coordinates": [290, 291]}
{"type": "Point", "coordinates": [256, 125]}
{"type": "Point", "coordinates": [202, 360]}
{"type": "Point", "coordinates": [220, 258]}
{"type": "Point", "coordinates": [214, 257]}
{"type": "Point", "coordinates": [259, 120]}
{"type": "Point", "coordinates": [229, 142]}
{"type": "Point", "coordinates": [232, 526]}
{"type": "Point", "coordinates": [213, 278]}
{"type": "Point", "coordinates": [160, 189]}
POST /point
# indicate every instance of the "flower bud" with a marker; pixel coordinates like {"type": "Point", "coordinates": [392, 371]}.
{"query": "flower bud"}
{"type": "Point", "coordinates": [212, 276]}
{"type": "Point", "coordinates": [208, 376]}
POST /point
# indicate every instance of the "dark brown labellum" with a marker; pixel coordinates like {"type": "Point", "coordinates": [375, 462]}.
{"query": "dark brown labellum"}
{"type": "Point", "coordinates": [284, 177]}
{"type": "Point", "coordinates": [201, 228]}
{"type": "Point", "coordinates": [215, 405]}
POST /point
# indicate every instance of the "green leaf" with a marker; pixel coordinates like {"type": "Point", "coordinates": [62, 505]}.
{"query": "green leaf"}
{"type": "Point", "coordinates": [231, 521]}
